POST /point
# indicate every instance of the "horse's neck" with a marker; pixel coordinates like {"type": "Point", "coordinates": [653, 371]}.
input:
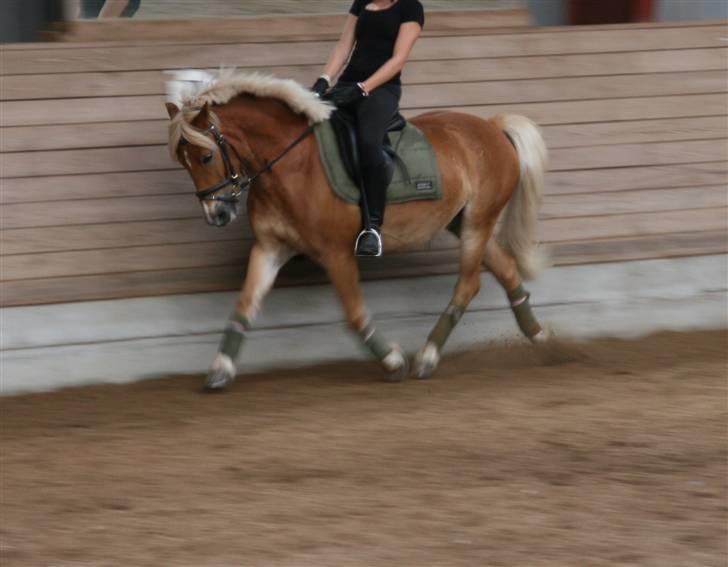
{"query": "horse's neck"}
{"type": "Point", "coordinates": [267, 125]}
{"type": "Point", "coordinates": [266, 128]}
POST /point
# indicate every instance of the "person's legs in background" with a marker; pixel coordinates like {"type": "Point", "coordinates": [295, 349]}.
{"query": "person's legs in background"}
{"type": "Point", "coordinates": [119, 8]}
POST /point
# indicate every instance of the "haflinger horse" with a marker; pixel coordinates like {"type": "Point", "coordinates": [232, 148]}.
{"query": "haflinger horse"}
{"type": "Point", "coordinates": [249, 132]}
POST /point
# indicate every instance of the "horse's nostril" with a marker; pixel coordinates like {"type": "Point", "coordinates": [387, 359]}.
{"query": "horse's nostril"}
{"type": "Point", "coordinates": [222, 217]}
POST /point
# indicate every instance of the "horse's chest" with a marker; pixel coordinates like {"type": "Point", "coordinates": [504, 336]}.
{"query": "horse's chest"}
{"type": "Point", "coordinates": [269, 224]}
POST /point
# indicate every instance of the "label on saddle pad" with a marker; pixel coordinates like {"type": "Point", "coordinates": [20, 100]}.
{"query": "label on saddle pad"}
{"type": "Point", "coordinates": [416, 175]}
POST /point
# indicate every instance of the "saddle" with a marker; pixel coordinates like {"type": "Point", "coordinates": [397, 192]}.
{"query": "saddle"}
{"type": "Point", "coordinates": [411, 164]}
{"type": "Point", "coordinates": [344, 127]}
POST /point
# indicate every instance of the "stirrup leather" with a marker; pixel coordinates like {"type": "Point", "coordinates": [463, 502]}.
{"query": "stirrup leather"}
{"type": "Point", "coordinates": [377, 236]}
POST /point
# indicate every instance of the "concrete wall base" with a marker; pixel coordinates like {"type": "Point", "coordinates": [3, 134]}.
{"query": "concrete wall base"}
{"type": "Point", "coordinates": [54, 346]}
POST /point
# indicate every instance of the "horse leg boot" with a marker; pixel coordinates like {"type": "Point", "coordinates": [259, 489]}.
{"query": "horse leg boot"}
{"type": "Point", "coordinates": [503, 266]}
{"type": "Point", "coordinates": [263, 267]}
{"type": "Point", "coordinates": [344, 273]}
{"type": "Point", "coordinates": [468, 286]}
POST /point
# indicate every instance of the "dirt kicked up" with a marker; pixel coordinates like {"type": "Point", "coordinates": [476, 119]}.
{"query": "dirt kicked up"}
{"type": "Point", "coordinates": [613, 453]}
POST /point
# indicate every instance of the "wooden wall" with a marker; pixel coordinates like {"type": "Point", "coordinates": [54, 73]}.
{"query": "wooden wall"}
{"type": "Point", "coordinates": [91, 206]}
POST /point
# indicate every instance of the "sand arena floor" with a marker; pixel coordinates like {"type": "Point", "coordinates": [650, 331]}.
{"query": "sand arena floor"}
{"type": "Point", "coordinates": [608, 453]}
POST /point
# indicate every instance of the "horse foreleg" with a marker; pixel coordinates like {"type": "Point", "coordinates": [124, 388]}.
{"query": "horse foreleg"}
{"type": "Point", "coordinates": [344, 273]}
{"type": "Point", "coordinates": [503, 267]}
{"type": "Point", "coordinates": [264, 264]}
{"type": "Point", "coordinates": [468, 285]}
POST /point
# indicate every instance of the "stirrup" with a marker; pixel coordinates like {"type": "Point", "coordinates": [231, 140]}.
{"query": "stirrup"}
{"type": "Point", "coordinates": [364, 233]}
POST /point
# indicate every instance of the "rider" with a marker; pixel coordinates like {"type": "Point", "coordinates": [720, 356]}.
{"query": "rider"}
{"type": "Point", "coordinates": [381, 34]}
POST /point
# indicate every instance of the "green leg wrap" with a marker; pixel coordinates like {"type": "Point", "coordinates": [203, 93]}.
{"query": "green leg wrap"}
{"type": "Point", "coordinates": [445, 324]}
{"type": "Point", "coordinates": [232, 339]}
{"type": "Point", "coordinates": [374, 341]}
{"type": "Point", "coordinates": [521, 308]}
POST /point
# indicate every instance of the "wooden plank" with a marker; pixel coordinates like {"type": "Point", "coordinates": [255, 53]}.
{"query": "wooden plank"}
{"type": "Point", "coordinates": [92, 59]}
{"type": "Point", "coordinates": [107, 185]}
{"type": "Point", "coordinates": [674, 245]}
{"type": "Point", "coordinates": [578, 229]}
{"type": "Point", "coordinates": [229, 278]}
{"type": "Point", "coordinates": [95, 135]}
{"type": "Point", "coordinates": [70, 85]}
{"type": "Point", "coordinates": [127, 259]}
{"type": "Point", "coordinates": [108, 236]}
{"type": "Point", "coordinates": [140, 258]}
{"type": "Point", "coordinates": [115, 134]}
{"type": "Point", "coordinates": [635, 131]}
{"type": "Point", "coordinates": [78, 85]}
{"type": "Point", "coordinates": [83, 111]}
{"type": "Point", "coordinates": [638, 154]}
{"type": "Point", "coordinates": [182, 207]}
{"type": "Point", "coordinates": [177, 182]}
{"type": "Point", "coordinates": [593, 204]}
{"type": "Point", "coordinates": [97, 211]}
{"type": "Point", "coordinates": [97, 160]}
{"type": "Point", "coordinates": [629, 178]}
{"type": "Point", "coordinates": [19, 113]}
{"type": "Point", "coordinates": [55, 39]}
{"type": "Point", "coordinates": [563, 89]}
{"type": "Point", "coordinates": [624, 225]}
{"type": "Point", "coordinates": [603, 110]}
{"type": "Point", "coordinates": [141, 158]}
{"type": "Point", "coordinates": [27, 242]}
{"type": "Point", "coordinates": [270, 28]}
{"type": "Point", "coordinates": [117, 286]}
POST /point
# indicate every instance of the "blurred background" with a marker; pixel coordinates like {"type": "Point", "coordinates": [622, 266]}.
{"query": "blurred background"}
{"type": "Point", "coordinates": [23, 20]}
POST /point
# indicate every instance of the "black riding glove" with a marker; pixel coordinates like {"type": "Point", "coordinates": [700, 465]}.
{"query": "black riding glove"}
{"type": "Point", "coordinates": [345, 95]}
{"type": "Point", "coordinates": [320, 87]}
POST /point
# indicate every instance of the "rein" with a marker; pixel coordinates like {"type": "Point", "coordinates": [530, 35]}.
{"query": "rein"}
{"type": "Point", "coordinates": [240, 180]}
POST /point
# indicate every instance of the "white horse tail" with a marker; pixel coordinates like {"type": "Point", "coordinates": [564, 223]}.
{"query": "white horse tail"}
{"type": "Point", "coordinates": [517, 233]}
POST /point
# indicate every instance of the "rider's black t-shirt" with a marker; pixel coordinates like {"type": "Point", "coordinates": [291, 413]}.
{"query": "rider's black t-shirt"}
{"type": "Point", "coordinates": [376, 34]}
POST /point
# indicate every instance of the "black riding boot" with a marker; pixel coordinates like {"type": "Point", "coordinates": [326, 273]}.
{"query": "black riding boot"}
{"type": "Point", "coordinates": [376, 180]}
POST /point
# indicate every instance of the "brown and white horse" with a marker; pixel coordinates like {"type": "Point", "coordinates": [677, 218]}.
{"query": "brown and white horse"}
{"type": "Point", "coordinates": [225, 135]}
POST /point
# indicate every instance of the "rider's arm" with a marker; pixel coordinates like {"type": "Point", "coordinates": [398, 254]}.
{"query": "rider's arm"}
{"type": "Point", "coordinates": [408, 34]}
{"type": "Point", "coordinates": [341, 52]}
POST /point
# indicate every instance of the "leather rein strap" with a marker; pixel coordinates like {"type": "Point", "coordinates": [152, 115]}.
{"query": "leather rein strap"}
{"type": "Point", "coordinates": [239, 180]}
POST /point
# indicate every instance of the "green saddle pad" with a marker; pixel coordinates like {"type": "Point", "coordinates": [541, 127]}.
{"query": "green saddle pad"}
{"type": "Point", "coordinates": [416, 175]}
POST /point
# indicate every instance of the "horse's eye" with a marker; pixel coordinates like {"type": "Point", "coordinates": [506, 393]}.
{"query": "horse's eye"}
{"type": "Point", "coordinates": [207, 158]}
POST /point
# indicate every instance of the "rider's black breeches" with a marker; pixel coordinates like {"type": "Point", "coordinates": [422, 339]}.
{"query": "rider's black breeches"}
{"type": "Point", "coordinates": [373, 115]}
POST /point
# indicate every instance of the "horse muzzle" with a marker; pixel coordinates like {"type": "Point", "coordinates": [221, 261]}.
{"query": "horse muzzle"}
{"type": "Point", "coordinates": [220, 214]}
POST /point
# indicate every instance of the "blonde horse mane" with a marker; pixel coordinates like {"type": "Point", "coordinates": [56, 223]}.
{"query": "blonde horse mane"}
{"type": "Point", "coordinates": [228, 84]}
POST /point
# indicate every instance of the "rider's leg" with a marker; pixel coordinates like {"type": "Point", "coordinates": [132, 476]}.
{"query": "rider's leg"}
{"type": "Point", "coordinates": [373, 116]}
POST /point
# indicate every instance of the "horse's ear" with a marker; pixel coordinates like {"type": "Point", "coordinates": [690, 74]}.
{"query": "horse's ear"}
{"type": "Point", "coordinates": [172, 109]}
{"type": "Point", "coordinates": [204, 113]}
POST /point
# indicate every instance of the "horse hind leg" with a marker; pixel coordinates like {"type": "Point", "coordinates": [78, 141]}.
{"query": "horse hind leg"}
{"type": "Point", "coordinates": [505, 270]}
{"type": "Point", "coordinates": [472, 247]}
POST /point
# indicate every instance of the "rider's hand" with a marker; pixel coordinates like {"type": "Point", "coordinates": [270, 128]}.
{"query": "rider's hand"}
{"type": "Point", "coordinates": [320, 86]}
{"type": "Point", "coordinates": [343, 95]}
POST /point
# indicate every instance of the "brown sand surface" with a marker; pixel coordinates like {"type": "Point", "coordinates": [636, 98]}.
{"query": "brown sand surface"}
{"type": "Point", "coordinates": [606, 453]}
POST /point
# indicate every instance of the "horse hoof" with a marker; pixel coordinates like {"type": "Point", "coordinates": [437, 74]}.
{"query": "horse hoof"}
{"type": "Point", "coordinates": [221, 374]}
{"type": "Point", "coordinates": [426, 362]}
{"type": "Point", "coordinates": [396, 365]}
{"type": "Point", "coordinates": [543, 337]}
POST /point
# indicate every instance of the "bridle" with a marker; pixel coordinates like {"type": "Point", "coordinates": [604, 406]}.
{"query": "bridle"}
{"type": "Point", "coordinates": [238, 179]}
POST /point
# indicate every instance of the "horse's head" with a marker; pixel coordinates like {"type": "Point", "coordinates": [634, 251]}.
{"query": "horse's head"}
{"type": "Point", "coordinates": [197, 142]}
